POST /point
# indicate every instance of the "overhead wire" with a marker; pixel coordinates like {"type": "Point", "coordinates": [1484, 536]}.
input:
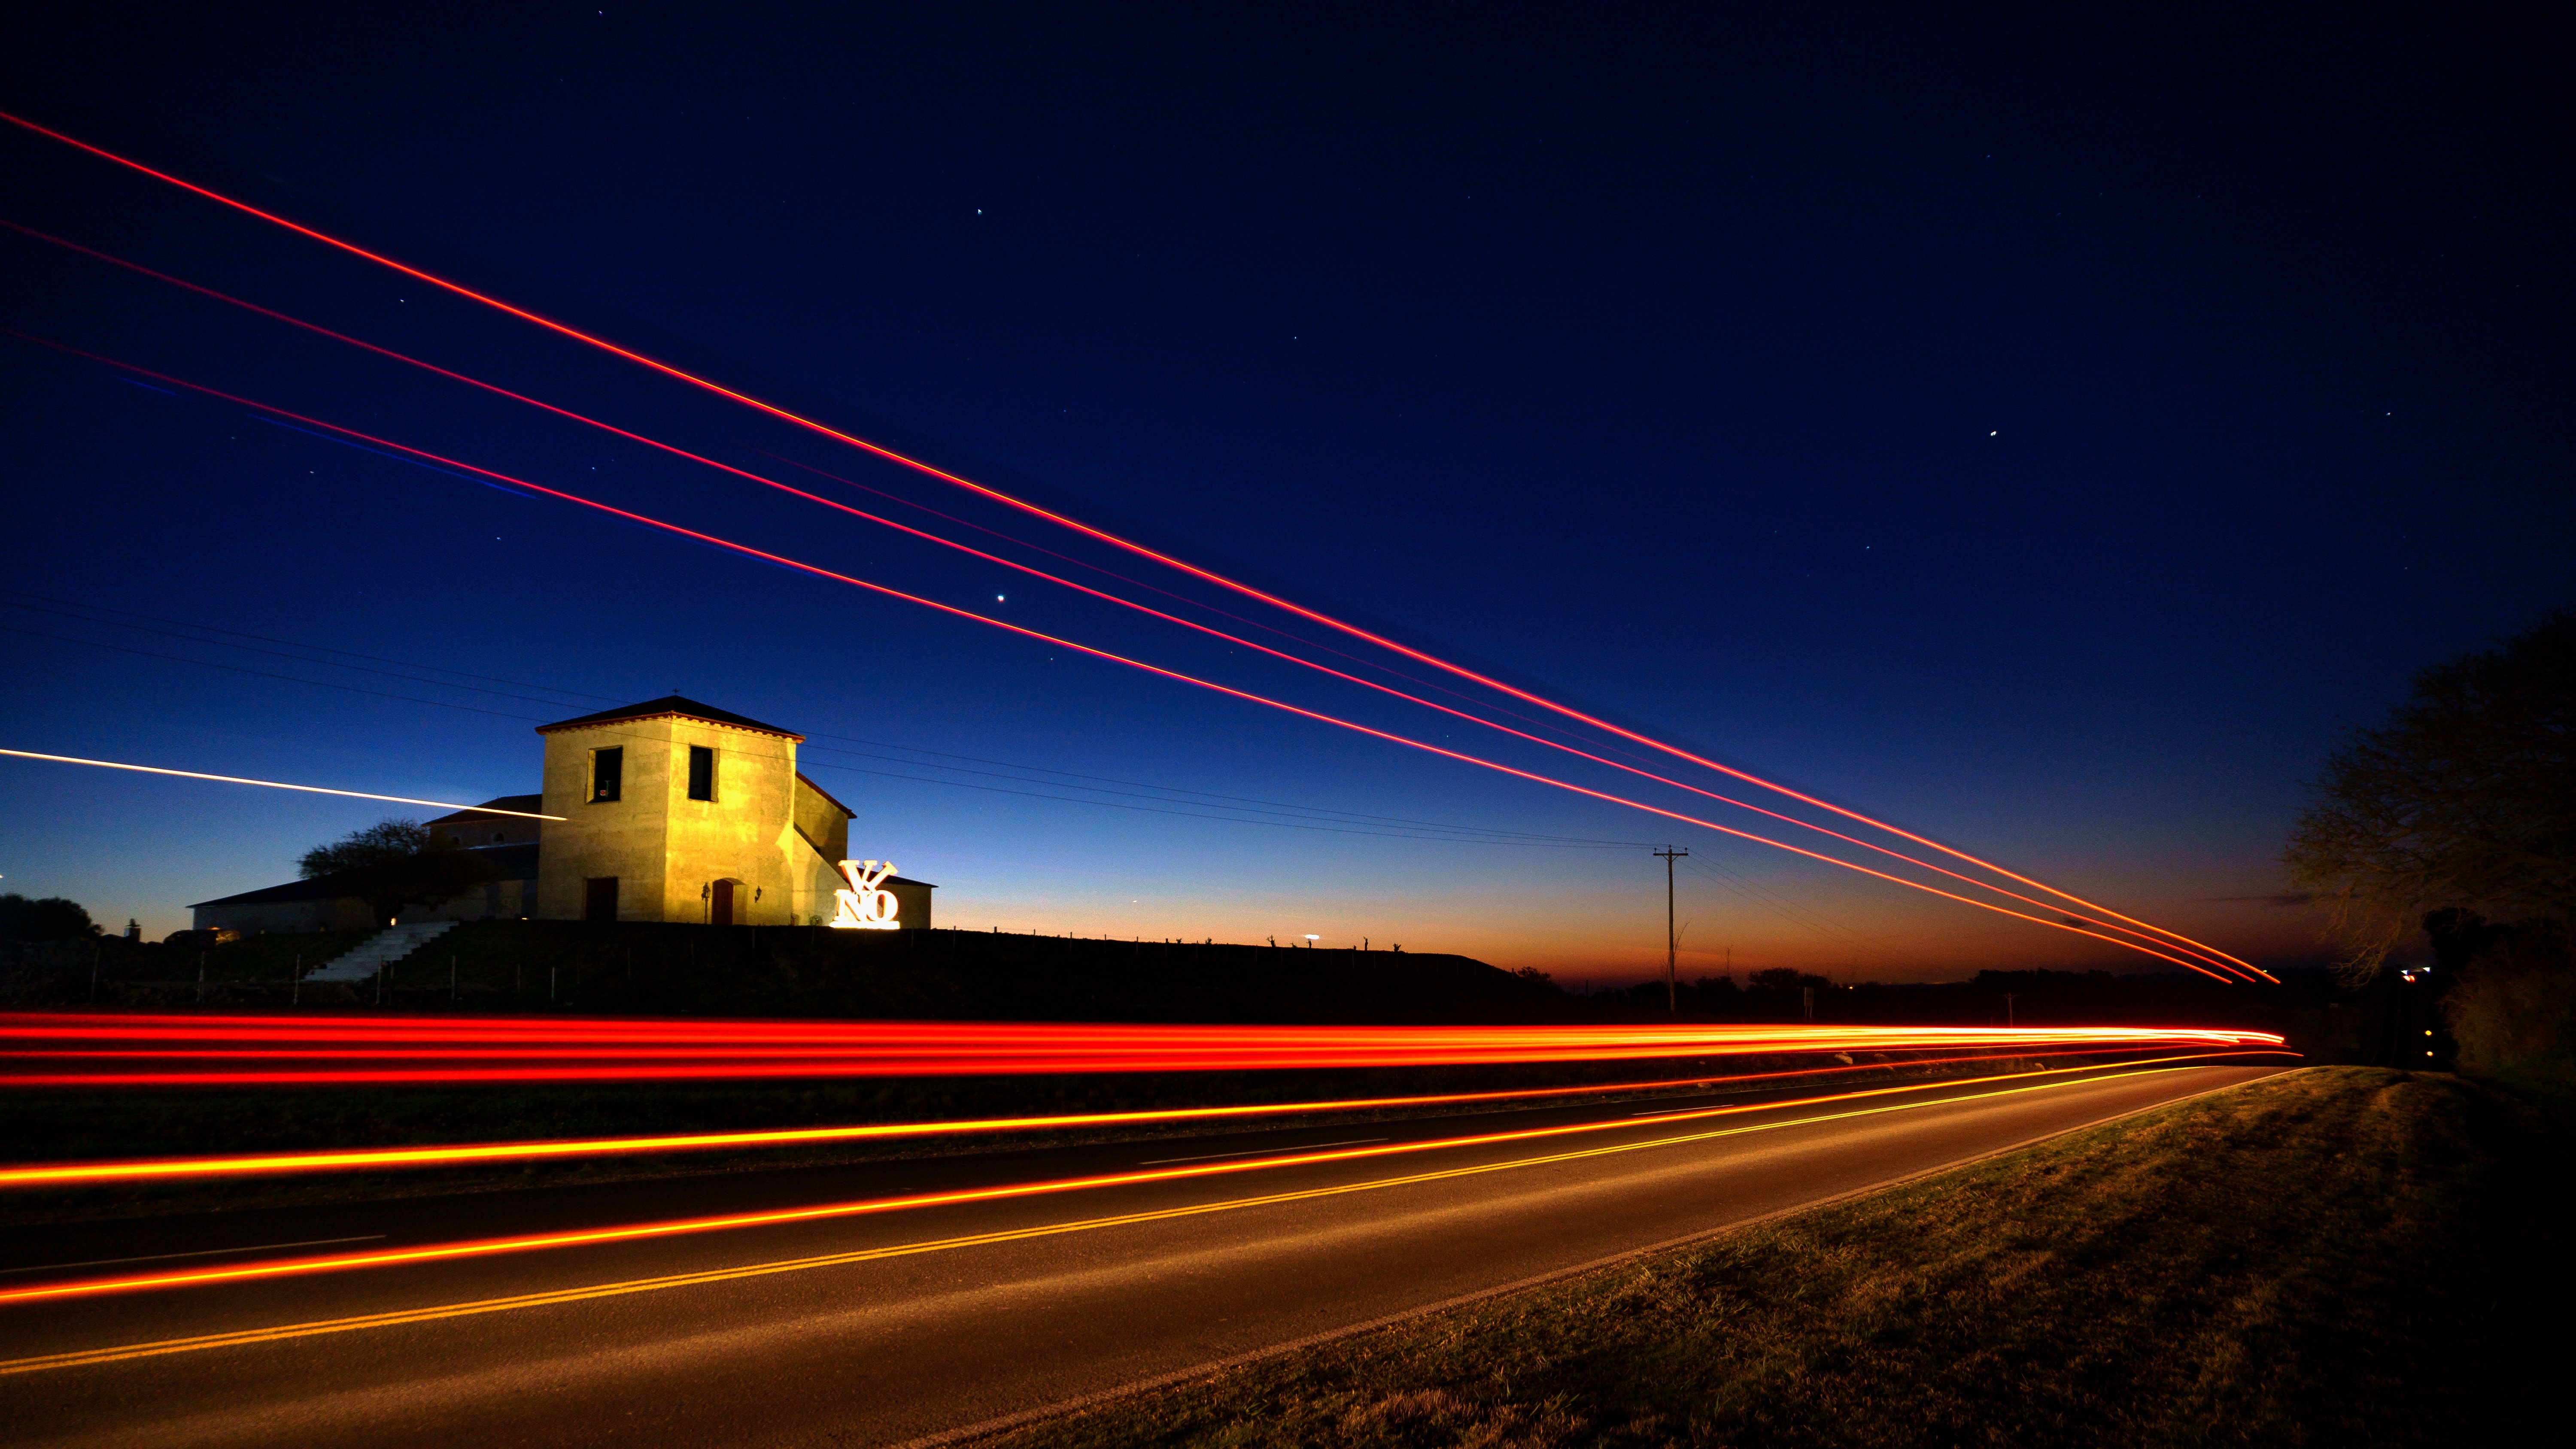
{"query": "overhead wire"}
{"type": "Point", "coordinates": [1233, 801]}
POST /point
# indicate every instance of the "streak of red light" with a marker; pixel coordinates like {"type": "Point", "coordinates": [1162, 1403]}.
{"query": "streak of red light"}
{"type": "Point", "coordinates": [1114, 540]}
{"type": "Point", "coordinates": [682, 1051]}
{"type": "Point", "coordinates": [506, 1028]}
{"type": "Point", "coordinates": [1176, 676]}
{"type": "Point", "coordinates": [2217, 959]}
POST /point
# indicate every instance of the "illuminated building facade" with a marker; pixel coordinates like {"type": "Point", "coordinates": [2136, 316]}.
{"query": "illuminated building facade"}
{"type": "Point", "coordinates": [672, 810]}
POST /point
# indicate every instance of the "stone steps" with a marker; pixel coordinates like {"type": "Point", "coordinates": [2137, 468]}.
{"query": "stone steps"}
{"type": "Point", "coordinates": [380, 950]}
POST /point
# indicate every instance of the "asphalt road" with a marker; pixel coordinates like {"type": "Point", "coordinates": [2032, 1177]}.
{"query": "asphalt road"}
{"type": "Point", "coordinates": [930, 1319]}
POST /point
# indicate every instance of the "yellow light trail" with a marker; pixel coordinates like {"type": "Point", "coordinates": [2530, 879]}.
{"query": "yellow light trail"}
{"type": "Point", "coordinates": [81, 1358]}
{"type": "Point", "coordinates": [587, 1237]}
{"type": "Point", "coordinates": [82, 1174]}
{"type": "Point", "coordinates": [273, 784]}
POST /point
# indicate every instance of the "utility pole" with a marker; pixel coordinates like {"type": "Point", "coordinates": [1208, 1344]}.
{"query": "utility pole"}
{"type": "Point", "coordinates": [1672, 942]}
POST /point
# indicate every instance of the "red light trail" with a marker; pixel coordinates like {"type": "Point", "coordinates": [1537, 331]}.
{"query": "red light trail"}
{"type": "Point", "coordinates": [299, 1051]}
{"type": "Point", "coordinates": [371, 1159]}
{"type": "Point", "coordinates": [799, 566]}
{"type": "Point", "coordinates": [486, 1247]}
{"type": "Point", "coordinates": [1114, 540]}
{"type": "Point", "coordinates": [2210, 958]}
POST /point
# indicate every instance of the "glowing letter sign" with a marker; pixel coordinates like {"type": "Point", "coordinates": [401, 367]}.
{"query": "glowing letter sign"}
{"type": "Point", "coordinates": [864, 907]}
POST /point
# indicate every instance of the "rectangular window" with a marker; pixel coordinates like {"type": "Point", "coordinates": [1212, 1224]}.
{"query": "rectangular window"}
{"type": "Point", "coordinates": [702, 773]}
{"type": "Point", "coordinates": [599, 903]}
{"type": "Point", "coordinates": [607, 773]}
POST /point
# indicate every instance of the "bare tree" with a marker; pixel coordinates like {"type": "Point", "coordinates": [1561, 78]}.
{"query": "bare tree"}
{"type": "Point", "coordinates": [398, 863]}
{"type": "Point", "coordinates": [2466, 798]}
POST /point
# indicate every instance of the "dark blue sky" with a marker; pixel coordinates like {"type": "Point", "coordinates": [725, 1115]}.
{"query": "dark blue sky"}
{"type": "Point", "coordinates": [2043, 432]}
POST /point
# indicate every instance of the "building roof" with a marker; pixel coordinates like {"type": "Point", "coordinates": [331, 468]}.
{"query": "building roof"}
{"type": "Point", "coordinates": [515, 862]}
{"type": "Point", "coordinates": [826, 794]}
{"type": "Point", "coordinates": [519, 805]}
{"type": "Point", "coordinates": [320, 888]}
{"type": "Point", "coordinates": [672, 705]}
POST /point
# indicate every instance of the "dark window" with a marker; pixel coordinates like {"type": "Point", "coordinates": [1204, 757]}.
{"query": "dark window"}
{"type": "Point", "coordinates": [601, 903]}
{"type": "Point", "coordinates": [607, 773]}
{"type": "Point", "coordinates": [702, 773]}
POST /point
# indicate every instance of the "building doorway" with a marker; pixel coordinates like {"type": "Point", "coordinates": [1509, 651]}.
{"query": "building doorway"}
{"type": "Point", "coordinates": [600, 903]}
{"type": "Point", "coordinates": [720, 904]}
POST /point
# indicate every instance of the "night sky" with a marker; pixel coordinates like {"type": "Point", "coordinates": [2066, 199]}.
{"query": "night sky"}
{"type": "Point", "coordinates": [2046, 432]}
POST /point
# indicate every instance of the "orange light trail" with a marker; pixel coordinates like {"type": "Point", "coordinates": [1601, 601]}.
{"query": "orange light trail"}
{"type": "Point", "coordinates": [487, 1247]}
{"type": "Point", "coordinates": [271, 784]}
{"type": "Point", "coordinates": [2212, 958]}
{"type": "Point", "coordinates": [799, 566]}
{"type": "Point", "coordinates": [85, 1174]}
{"type": "Point", "coordinates": [1114, 540]}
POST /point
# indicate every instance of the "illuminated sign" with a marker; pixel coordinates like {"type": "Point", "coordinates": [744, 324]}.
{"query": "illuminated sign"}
{"type": "Point", "coordinates": [864, 907]}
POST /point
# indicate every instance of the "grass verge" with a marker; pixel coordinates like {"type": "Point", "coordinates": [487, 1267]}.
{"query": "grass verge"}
{"type": "Point", "coordinates": [2335, 1256]}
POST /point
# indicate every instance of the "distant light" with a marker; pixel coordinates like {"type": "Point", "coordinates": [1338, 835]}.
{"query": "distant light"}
{"type": "Point", "coordinates": [1311, 936]}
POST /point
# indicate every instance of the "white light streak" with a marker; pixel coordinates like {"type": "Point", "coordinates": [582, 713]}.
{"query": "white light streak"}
{"type": "Point", "coordinates": [275, 784]}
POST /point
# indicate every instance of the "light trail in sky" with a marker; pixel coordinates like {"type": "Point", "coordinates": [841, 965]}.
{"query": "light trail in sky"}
{"type": "Point", "coordinates": [631, 1232]}
{"type": "Point", "coordinates": [1116, 541]}
{"type": "Point", "coordinates": [954, 611]}
{"type": "Point", "coordinates": [271, 784]}
{"type": "Point", "coordinates": [462, 1154]}
{"type": "Point", "coordinates": [123, 1051]}
{"type": "Point", "coordinates": [2211, 958]}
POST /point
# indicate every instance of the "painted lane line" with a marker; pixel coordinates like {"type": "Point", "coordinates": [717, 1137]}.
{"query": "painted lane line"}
{"type": "Point", "coordinates": [200, 1253]}
{"type": "Point", "coordinates": [1258, 1151]}
{"type": "Point", "coordinates": [81, 1358]}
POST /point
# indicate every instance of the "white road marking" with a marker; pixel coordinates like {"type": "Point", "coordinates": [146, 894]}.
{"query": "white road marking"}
{"type": "Point", "coordinates": [200, 1253]}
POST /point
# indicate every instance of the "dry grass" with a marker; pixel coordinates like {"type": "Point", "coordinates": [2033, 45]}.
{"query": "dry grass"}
{"type": "Point", "coordinates": [2339, 1256]}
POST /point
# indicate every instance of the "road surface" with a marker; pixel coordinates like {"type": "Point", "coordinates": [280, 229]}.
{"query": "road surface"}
{"type": "Point", "coordinates": [929, 1320]}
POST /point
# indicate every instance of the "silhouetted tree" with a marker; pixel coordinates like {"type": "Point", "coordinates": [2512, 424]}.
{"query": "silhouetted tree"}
{"type": "Point", "coordinates": [1783, 978]}
{"type": "Point", "coordinates": [398, 863]}
{"type": "Point", "coordinates": [2466, 798]}
{"type": "Point", "coordinates": [50, 919]}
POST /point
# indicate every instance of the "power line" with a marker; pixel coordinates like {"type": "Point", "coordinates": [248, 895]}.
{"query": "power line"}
{"type": "Point", "coordinates": [1464, 834]}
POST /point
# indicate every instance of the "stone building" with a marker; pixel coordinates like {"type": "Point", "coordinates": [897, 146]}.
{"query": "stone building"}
{"type": "Point", "coordinates": [671, 810]}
